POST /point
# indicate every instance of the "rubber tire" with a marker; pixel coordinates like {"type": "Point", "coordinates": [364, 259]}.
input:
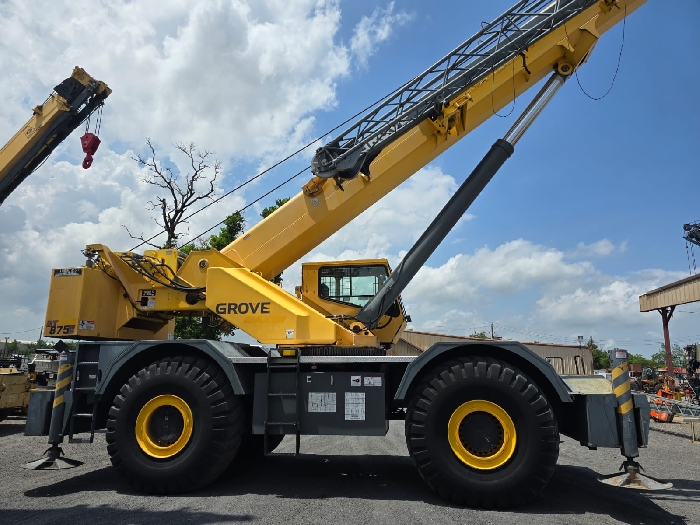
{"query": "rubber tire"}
{"type": "Point", "coordinates": [218, 425]}
{"type": "Point", "coordinates": [445, 388]}
{"type": "Point", "coordinates": [5, 412]}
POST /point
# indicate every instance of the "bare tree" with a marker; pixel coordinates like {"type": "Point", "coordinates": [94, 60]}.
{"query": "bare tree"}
{"type": "Point", "coordinates": [181, 193]}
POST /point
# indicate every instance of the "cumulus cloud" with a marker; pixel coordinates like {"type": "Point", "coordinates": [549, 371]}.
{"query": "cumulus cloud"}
{"type": "Point", "coordinates": [239, 76]}
{"type": "Point", "coordinates": [374, 29]}
{"type": "Point", "coordinates": [244, 78]}
{"type": "Point", "coordinates": [601, 248]}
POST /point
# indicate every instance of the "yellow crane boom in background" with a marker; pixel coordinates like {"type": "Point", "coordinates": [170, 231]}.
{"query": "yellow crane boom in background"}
{"type": "Point", "coordinates": [72, 101]}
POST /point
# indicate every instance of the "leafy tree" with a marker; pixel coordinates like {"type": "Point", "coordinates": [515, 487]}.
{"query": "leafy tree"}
{"type": "Point", "coordinates": [211, 328]}
{"type": "Point", "coordinates": [479, 335]}
{"type": "Point", "coordinates": [601, 359]}
{"type": "Point", "coordinates": [639, 359]}
{"type": "Point", "coordinates": [197, 328]}
{"type": "Point", "coordinates": [677, 355]}
{"type": "Point", "coordinates": [232, 228]}
{"type": "Point", "coordinates": [278, 204]}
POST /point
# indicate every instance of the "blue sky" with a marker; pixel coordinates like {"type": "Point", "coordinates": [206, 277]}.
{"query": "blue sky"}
{"type": "Point", "coordinates": [585, 215]}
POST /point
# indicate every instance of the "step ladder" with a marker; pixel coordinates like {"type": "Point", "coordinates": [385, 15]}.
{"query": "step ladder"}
{"type": "Point", "coordinates": [82, 389]}
{"type": "Point", "coordinates": [287, 362]}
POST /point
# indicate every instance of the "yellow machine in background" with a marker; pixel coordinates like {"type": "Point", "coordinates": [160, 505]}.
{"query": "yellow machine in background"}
{"type": "Point", "coordinates": [15, 387]}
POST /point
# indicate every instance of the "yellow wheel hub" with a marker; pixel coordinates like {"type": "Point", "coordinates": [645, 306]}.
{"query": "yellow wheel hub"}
{"type": "Point", "coordinates": [164, 426]}
{"type": "Point", "coordinates": [481, 435]}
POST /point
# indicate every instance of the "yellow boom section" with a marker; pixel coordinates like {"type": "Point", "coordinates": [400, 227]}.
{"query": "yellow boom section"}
{"type": "Point", "coordinates": [322, 208]}
{"type": "Point", "coordinates": [51, 122]}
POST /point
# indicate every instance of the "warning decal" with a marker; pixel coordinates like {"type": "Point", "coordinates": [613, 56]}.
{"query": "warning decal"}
{"type": "Point", "coordinates": [354, 406]}
{"type": "Point", "coordinates": [373, 381]}
{"type": "Point", "coordinates": [322, 402]}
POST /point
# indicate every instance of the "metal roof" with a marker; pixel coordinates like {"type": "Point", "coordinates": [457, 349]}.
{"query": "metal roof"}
{"type": "Point", "coordinates": [679, 292]}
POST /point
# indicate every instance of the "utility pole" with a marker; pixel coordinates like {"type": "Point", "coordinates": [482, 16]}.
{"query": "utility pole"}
{"type": "Point", "coordinates": [492, 331]}
{"type": "Point", "coordinates": [666, 314]}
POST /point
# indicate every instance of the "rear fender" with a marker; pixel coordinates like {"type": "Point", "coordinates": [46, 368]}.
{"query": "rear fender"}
{"type": "Point", "coordinates": [119, 358]}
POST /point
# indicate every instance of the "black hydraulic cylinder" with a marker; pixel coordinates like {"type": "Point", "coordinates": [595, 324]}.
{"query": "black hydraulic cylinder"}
{"type": "Point", "coordinates": [436, 232]}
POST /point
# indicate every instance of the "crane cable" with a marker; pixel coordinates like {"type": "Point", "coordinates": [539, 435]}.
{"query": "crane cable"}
{"type": "Point", "coordinates": [617, 68]}
{"type": "Point", "coordinates": [244, 207]}
{"type": "Point", "coordinates": [146, 241]}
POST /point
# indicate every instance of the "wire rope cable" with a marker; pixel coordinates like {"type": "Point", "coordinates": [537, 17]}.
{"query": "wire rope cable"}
{"type": "Point", "coordinates": [265, 171]}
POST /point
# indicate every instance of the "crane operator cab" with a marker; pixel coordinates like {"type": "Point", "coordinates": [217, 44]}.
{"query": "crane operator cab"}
{"type": "Point", "coordinates": [339, 288]}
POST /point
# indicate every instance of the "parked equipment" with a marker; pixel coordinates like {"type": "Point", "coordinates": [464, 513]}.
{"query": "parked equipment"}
{"type": "Point", "coordinates": [14, 391]}
{"type": "Point", "coordinates": [482, 419]}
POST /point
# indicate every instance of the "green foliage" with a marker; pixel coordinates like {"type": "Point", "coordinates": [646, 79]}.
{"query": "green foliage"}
{"type": "Point", "coordinates": [197, 328]}
{"type": "Point", "coordinates": [677, 355]}
{"type": "Point", "coordinates": [479, 335]}
{"type": "Point", "coordinates": [232, 228]}
{"type": "Point", "coordinates": [278, 204]}
{"type": "Point", "coordinates": [601, 359]}
{"type": "Point", "coordinates": [639, 359]}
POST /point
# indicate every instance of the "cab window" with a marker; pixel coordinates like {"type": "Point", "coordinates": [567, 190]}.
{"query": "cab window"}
{"type": "Point", "coordinates": [354, 285]}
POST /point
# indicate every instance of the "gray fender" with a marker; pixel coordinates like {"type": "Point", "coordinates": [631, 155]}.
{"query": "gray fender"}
{"type": "Point", "coordinates": [116, 354]}
{"type": "Point", "coordinates": [520, 356]}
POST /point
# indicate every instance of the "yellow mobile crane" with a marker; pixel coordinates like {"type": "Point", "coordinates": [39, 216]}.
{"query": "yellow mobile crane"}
{"type": "Point", "coordinates": [72, 101]}
{"type": "Point", "coordinates": [482, 420]}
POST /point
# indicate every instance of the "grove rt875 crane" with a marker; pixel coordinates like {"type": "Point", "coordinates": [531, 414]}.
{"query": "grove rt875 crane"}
{"type": "Point", "coordinates": [482, 420]}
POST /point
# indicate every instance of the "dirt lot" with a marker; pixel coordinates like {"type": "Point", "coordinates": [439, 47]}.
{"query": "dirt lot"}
{"type": "Point", "coordinates": [341, 480]}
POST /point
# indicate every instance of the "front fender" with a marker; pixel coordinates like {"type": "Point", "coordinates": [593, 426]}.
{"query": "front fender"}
{"type": "Point", "coordinates": [511, 352]}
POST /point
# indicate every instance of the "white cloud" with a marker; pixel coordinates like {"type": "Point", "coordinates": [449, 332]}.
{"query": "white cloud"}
{"type": "Point", "coordinates": [241, 77]}
{"type": "Point", "coordinates": [396, 221]}
{"type": "Point", "coordinates": [601, 248]}
{"type": "Point", "coordinates": [237, 76]}
{"type": "Point", "coordinates": [374, 29]}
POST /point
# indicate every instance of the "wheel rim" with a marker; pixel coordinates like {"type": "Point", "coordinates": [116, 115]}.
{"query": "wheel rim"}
{"type": "Point", "coordinates": [481, 434]}
{"type": "Point", "coordinates": [164, 426]}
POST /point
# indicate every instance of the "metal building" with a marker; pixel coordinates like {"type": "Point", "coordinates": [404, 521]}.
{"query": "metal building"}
{"type": "Point", "coordinates": [566, 359]}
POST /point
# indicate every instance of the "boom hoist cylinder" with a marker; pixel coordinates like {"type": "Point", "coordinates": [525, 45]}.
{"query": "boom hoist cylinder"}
{"type": "Point", "coordinates": [458, 204]}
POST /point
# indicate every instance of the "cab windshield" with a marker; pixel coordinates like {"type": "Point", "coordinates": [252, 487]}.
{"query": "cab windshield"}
{"type": "Point", "coordinates": [354, 285]}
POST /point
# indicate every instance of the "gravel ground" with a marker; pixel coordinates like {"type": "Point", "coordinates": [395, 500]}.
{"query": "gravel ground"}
{"type": "Point", "coordinates": [341, 480]}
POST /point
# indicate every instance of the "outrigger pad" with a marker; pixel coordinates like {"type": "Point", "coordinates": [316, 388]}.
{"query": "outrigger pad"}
{"type": "Point", "coordinates": [632, 478]}
{"type": "Point", "coordinates": [52, 460]}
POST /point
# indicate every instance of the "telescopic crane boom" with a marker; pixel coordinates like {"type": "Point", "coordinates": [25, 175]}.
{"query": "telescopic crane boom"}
{"type": "Point", "coordinates": [72, 101]}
